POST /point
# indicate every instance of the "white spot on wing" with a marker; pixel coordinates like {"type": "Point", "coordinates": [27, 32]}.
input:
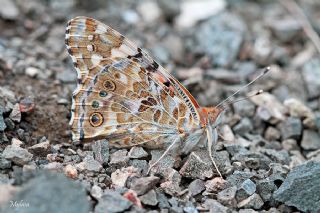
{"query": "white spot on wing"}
{"type": "Point", "coordinates": [90, 37]}
{"type": "Point", "coordinates": [115, 52]}
{"type": "Point", "coordinates": [101, 29]}
{"type": "Point", "coordinates": [89, 47]}
{"type": "Point", "coordinates": [95, 59]}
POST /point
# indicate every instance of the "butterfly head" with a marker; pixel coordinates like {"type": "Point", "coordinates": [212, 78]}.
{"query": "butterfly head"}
{"type": "Point", "coordinates": [211, 116]}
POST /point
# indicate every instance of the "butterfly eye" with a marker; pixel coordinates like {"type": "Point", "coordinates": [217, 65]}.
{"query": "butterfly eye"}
{"type": "Point", "coordinates": [96, 119]}
{"type": "Point", "coordinates": [109, 85]}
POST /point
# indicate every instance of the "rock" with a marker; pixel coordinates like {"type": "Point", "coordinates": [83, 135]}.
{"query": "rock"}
{"type": "Point", "coordinates": [112, 202]}
{"type": "Point", "coordinates": [196, 187]}
{"type": "Point", "coordinates": [214, 206]}
{"type": "Point", "coordinates": [215, 185]}
{"type": "Point", "coordinates": [297, 109]}
{"type": "Point", "coordinates": [175, 46]}
{"type": "Point", "coordinates": [254, 202]}
{"type": "Point", "coordinates": [291, 128]}
{"type": "Point", "coordinates": [141, 165]}
{"type": "Point", "coordinates": [150, 198]}
{"type": "Point", "coordinates": [60, 194]}
{"type": "Point", "coordinates": [196, 167]}
{"type": "Point", "coordinates": [96, 192]}
{"type": "Point", "coordinates": [244, 126]}
{"type": "Point", "coordinates": [70, 171]}
{"type": "Point", "coordinates": [227, 134]}
{"type": "Point", "coordinates": [244, 108]}
{"type": "Point", "coordinates": [137, 152]}
{"type": "Point", "coordinates": [9, 123]}
{"type": "Point", "coordinates": [130, 16]}
{"type": "Point", "coordinates": [161, 53]}
{"type": "Point", "coordinates": [285, 29]}
{"type": "Point", "coordinates": [220, 39]}
{"type": "Point", "coordinates": [311, 76]}
{"type": "Point", "coordinates": [54, 166]}
{"type": "Point", "coordinates": [149, 11]}
{"type": "Point", "coordinates": [26, 105]}
{"type": "Point", "coordinates": [120, 176]}
{"type": "Point", "coordinates": [16, 142]}
{"type": "Point", "coordinates": [310, 140]}
{"type": "Point", "coordinates": [4, 163]}
{"type": "Point", "coordinates": [172, 184]}
{"type": "Point", "coordinates": [32, 71]}
{"type": "Point", "coordinates": [41, 149]}
{"type": "Point", "coordinates": [290, 144]}
{"type": "Point", "coordinates": [133, 197]}
{"type": "Point", "coordinates": [272, 134]}
{"type": "Point", "coordinates": [227, 197]}
{"type": "Point", "coordinates": [9, 10]}
{"type": "Point", "coordinates": [301, 188]}
{"type": "Point", "coordinates": [162, 166]}
{"type": "Point", "coordinates": [265, 189]}
{"type": "Point", "coordinates": [270, 109]}
{"type": "Point", "coordinates": [169, 8]}
{"type": "Point", "coordinates": [281, 156]}
{"type": "Point", "coordinates": [15, 114]}
{"type": "Point", "coordinates": [66, 76]}
{"type": "Point", "coordinates": [17, 155]}
{"type": "Point", "coordinates": [90, 164]}
{"type": "Point", "coordinates": [101, 151]}
{"type": "Point", "coordinates": [144, 184]}
{"type": "Point", "coordinates": [237, 178]}
{"type": "Point", "coordinates": [262, 50]}
{"type": "Point", "coordinates": [3, 125]}
{"type": "Point", "coordinates": [246, 189]}
{"type": "Point", "coordinates": [194, 11]}
{"type": "Point", "coordinates": [119, 158]}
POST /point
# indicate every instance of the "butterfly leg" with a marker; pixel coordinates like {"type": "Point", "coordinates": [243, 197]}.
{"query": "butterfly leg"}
{"type": "Point", "coordinates": [211, 140]}
{"type": "Point", "coordinates": [162, 156]}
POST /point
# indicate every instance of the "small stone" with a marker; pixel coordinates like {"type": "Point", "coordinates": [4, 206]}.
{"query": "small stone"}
{"type": "Point", "coordinates": [4, 163]}
{"type": "Point", "coordinates": [227, 197]}
{"type": "Point", "coordinates": [130, 16]}
{"type": "Point", "coordinates": [70, 171]}
{"type": "Point", "coordinates": [101, 151]}
{"type": "Point", "coordinates": [26, 105]}
{"type": "Point", "coordinates": [15, 114]}
{"type": "Point", "coordinates": [90, 164]}
{"type": "Point", "coordinates": [54, 166]}
{"type": "Point", "coordinates": [9, 10]}
{"type": "Point", "coordinates": [262, 50]}
{"type": "Point", "coordinates": [9, 123]}
{"type": "Point", "coordinates": [310, 140]}
{"type": "Point", "coordinates": [281, 156]}
{"type": "Point", "coordinates": [40, 149]}
{"type": "Point", "coordinates": [215, 185]}
{"type": "Point", "coordinates": [144, 184]}
{"type": "Point", "coordinates": [162, 166]}
{"type": "Point", "coordinates": [311, 76]}
{"type": "Point", "coordinates": [214, 206]}
{"type": "Point", "coordinates": [303, 179]}
{"type": "Point", "coordinates": [149, 11]}
{"type": "Point", "coordinates": [196, 187]}
{"type": "Point", "coordinates": [265, 189]}
{"type": "Point", "coordinates": [16, 142]}
{"type": "Point", "coordinates": [169, 8]}
{"type": "Point", "coordinates": [120, 176]}
{"type": "Point", "coordinates": [112, 202]}
{"type": "Point", "coordinates": [238, 177]}
{"type": "Point", "coordinates": [244, 108]}
{"type": "Point", "coordinates": [227, 134]}
{"type": "Point", "coordinates": [272, 134]}
{"type": "Point", "coordinates": [254, 201]}
{"type": "Point", "coordinates": [133, 197]}
{"type": "Point", "coordinates": [17, 155]}
{"type": "Point", "coordinates": [291, 128]}
{"type": "Point", "coordinates": [172, 184]}
{"type": "Point", "coordinates": [32, 71]}
{"type": "Point", "coordinates": [3, 125]}
{"type": "Point", "coordinates": [66, 76]}
{"type": "Point", "coordinates": [141, 165]}
{"type": "Point", "coordinates": [244, 126]}
{"type": "Point", "coordinates": [149, 198]}
{"type": "Point", "coordinates": [119, 158]}
{"type": "Point", "coordinates": [96, 192]}
{"type": "Point", "coordinates": [285, 29]}
{"type": "Point", "coordinates": [297, 109]}
{"type": "Point", "coordinates": [290, 144]}
{"type": "Point", "coordinates": [246, 189]}
{"type": "Point", "coordinates": [137, 152]}
{"type": "Point", "coordinates": [270, 109]}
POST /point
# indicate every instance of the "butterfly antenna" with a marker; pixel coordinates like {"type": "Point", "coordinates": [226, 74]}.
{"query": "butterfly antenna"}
{"type": "Point", "coordinates": [245, 98]}
{"type": "Point", "coordinates": [265, 71]}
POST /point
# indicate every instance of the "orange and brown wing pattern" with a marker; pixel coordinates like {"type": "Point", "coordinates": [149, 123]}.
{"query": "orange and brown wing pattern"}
{"type": "Point", "coordinates": [122, 94]}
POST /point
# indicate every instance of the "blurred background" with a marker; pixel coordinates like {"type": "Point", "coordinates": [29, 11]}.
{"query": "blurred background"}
{"type": "Point", "coordinates": [213, 47]}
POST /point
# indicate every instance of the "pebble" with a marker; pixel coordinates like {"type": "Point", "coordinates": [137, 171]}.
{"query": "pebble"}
{"type": "Point", "coordinates": [26, 105]}
{"type": "Point", "coordinates": [265, 189]}
{"type": "Point", "coordinates": [32, 71]}
{"type": "Point", "coordinates": [120, 176]}
{"type": "Point", "coordinates": [101, 151]}
{"type": "Point", "coordinates": [3, 125]}
{"type": "Point", "coordinates": [70, 171]}
{"type": "Point", "coordinates": [150, 198]}
{"type": "Point", "coordinates": [254, 202]}
{"type": "Point", "coordinates": [17, 155]}
{"type": "Point", "coordinates": [9, 123]}
{"type": "Point", "coordinates": [243, 127]}
{"type": "Point", "coordinates": [4, 163]}
{"type": "Point", "coordinates": [149, 11]}
{"type": "Point", "coordinates": [285, 29]}
{"type": "Point", "coordinates": [91, 165]}
{"type": "Point", "coordinates": [144, 184]}
{"type": "Point", "coordinates": [15, 114]}
{"type": "Point", "coordinates": [137, 152]}
{"type": "Point", "coordinates": [246, 189]}
{"type": "Point", "coordinates": [238, 177]}
{"type": "Point", "coordinates": [9, 10]}
{"type": "Point", "coordinates": [291, 128]}
{"type": "Point", "coordinates": [119, 158]}
{"type": "Point", "coordinates": [277, 156]}
{"type": "Point", "coordinates": [311, 76]}
{"type": "Point", "coordinates": [130, 16]}
{"type": "Point", "coordinates": [40, 149]}
{"type": "Point", "coordinates": [227, 196]}
{"type": "Point", "coordinates": [172, 184]}
{"type": "Point", "coordinates": [214, 206]}
{"type": "Point", "coordinates": [262, 50]}
{"type": "Point", "coordinates": [141, 165]}
{"type": "Point", "coordinates": [111, 202]}
{"type": "Point", "coordinates": [53, 166]}
{"type": "Point", "coordinates": [272, 134]}
{"type": "Point", "coordinates": [244, 108]}
{"type": "Point", "coordinates": [301, 179]}
{"type": "Point", "coordinates": [133, 197]}
{"type": "Point", "coordinates": [310, 140]}
{"type": "Point", "coordinates": [163, 165]}
{"type": "Point", "coordinates": [297, 109]}
{"type": "Point", "coordinates": [290, 144]}
{"type": "Point", "coordinates": [169, 8]}
{"type": "Point", "coordinates": [60, 194]}
{"type": "Point", "coordinates": [196, 167]}
{"type": "Point", "coordinates": [196, 187]}
{"type": "Point", "coordinates": [270, 109]}
{"type": "Point", "coordinates": [96, 192]}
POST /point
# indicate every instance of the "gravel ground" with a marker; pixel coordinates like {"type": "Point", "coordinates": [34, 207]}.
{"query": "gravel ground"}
{"type": "Point", "coordinates": [270, 155]}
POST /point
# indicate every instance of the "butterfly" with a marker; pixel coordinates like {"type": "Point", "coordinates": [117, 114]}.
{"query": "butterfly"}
{"type": "Point", "coordinates": [126, 97]}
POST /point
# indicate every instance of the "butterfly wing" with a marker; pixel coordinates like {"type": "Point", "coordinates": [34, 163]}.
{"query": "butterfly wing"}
{"type": "Point", "coordinates": [123, 95]}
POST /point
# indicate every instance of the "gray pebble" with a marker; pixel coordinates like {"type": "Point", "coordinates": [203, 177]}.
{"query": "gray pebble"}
{"type": "Point", "coordinates": [17, 155]}
{"type": "Point", "coordinates": [246, 189]}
